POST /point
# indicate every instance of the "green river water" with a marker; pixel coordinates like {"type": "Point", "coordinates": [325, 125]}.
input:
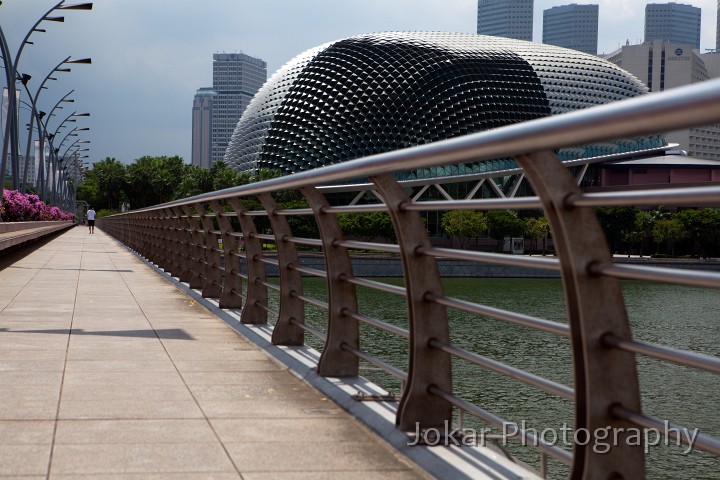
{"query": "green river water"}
{"type": "Point", "coordinates": [680, 317]}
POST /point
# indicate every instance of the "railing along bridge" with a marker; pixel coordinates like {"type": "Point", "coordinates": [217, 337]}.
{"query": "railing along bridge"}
{"type": "Point", "coordinates": [182, 237]}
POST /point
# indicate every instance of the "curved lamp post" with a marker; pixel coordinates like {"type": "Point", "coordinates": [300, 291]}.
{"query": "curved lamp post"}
{"type": "Point", "coordinates": [34, 100]}
{"type": "Point", "coordinates": [10, 138]}
{"type": "Point", "coordinates": [53, 153]}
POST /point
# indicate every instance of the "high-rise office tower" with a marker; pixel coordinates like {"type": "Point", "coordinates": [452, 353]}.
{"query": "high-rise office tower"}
{"type": "Point", "coordinates": [202, 127]}
{"type": "Point", "coordinates": [236, 79]}
{"type": "Point", "coordinates": [673, 22]}
{"type": "Point", "coordinates": [572, 26]}
{"type": "Point", "coordinates": [506, 18]}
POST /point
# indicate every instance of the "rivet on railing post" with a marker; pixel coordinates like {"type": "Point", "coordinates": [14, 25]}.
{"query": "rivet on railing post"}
{"type": "Point", "coordinates": [426, 320]}
{"type": "Point", "coordinates": [603, 376]}
{"type": "Point", "coordinates": [285, 333]}
{"type": "Point", "coordinates": [335, 361]}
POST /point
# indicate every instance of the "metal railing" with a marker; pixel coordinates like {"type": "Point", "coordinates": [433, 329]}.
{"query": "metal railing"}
{"type": "Point", "coordinates": [182, 238]}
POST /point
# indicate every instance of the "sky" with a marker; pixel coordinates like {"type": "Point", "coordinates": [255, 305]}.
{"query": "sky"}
{"type": "Point", "coordinates": [150, 56]}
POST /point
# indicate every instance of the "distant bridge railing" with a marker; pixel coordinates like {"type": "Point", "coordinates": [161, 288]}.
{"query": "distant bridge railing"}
{"type": "Point", "coordinates": [182, 238]}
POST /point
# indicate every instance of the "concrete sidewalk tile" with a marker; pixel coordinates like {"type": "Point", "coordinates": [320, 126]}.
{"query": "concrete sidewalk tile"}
{"type": "Point", "coordinates": [134, 431]}
{"type": "Point", "coordinates": [253, 391]}
{"type": "Point", "coordinates": [334, 475]}
{"type": "Point", "coordinates": [254, 361]}
{"type": "Point", "coordinates": [26, 432]}
{"type": "Point", "coordinates": [122, 378]}
{"type": "Point", "coordinates": [147, 476]}
{"type": "Point", "coordinates": [127, 365]}
{"type": "Point", "coordinates": [142, 458]}
{"type": "Point", "coordinates": [305, 455]}
{"type": "Point", "coordinates": [268, 378]}
{"type": "Point", "coordinates": [30, 378]}
{"type": "Point", "coordinates": [277, 430]}
{"type": "Point", "coordinates": [19, 460]}
{"type": "Point", "coordinates": [137, 408]}
{"type": "Point", "coordinates": [253, 408]}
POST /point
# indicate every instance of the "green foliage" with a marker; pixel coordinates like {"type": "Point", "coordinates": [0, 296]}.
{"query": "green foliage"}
{"type": "Point", "coordinates": [616, 222]}
{"type": "Point", "coordinates": [109, 176]}
{"type": "Point", "coordinates": [537, 229]}
{"type": "Point", "coordinates": [464, 224]}
{"type": "Point", "coordinates": [369, 225]}
{"type": "Point", "coordinates": [669, 230]}
{"type": "Point", "coordinates": [504, 223]}
{"type": "Point", "coordinates": [702, 226]}
{"type": "Point", "coordinates": [105, 212]}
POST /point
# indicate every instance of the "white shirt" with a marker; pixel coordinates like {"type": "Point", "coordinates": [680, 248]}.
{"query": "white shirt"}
{"type": "Point", "coordinates": [91, 214]}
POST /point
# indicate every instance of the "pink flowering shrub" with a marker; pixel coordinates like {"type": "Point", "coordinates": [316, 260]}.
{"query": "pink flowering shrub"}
{"type": "Point", "coordinates": [22, 207]}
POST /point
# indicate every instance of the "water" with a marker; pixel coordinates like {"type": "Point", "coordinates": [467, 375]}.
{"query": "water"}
{"type": "Point", "coordinates": [680, 317]}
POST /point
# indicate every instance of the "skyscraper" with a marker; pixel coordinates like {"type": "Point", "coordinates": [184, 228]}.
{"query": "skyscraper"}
{"type": "Point", "coordinates": [572, 26]}
{"type": "Point", "coordinates": [717, 29]}
{"type": "Point", "coordinates": [506, 18]}
{"type": "Point", "coordinates": [673, 22]}
{"type": "Point", "coordinates": [202, 127]}
{"type": "Point", "coordinates": [236, 79]}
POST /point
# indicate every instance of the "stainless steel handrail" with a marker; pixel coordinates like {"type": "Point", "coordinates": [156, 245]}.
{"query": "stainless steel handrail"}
{"type": "Point", "coordinates": [606, 389]}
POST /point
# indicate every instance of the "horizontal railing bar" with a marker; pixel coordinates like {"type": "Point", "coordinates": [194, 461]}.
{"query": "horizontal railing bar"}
{"type": "Point", "coordinates": [262, 306]}
{"type": "Point", "coordinates": [519, 203]}
{"type": "Point", "coordinates": [268, 261]}
{"type": "Point", "coordinates": [383, 287]}
{"type": "Point", "coordinates": [239, 294]}
{"type": "Point", "coordinates": [682, 357]}
{"type": "Point", "coordinates": [294, 211]}
{"type": "Point", "coordinates": [268, 284]}
{"type": "Point", "coordinates": [507, 370]}
{"type": "Point", "coordinates": [228, 214]}
{"type": "Point", "coordinates": [254, 213]}
{"type": "Point", "coordinates": [671, 430]}
{"type": "Point", "coordinates": [673, 109]}
{"type": "Point", "coordinates": [369, 208]}
{"type": "Point", "coordinates": [310, 271]}
{"type": "Point", "coordinates": [395, 372]}
{"type": "Point", "coordinates": [399, 331]}
{"type": "Point", "coordinates": [495, 258]}
{"type": "Point", "coordinates": [308, 329]}
{"type": "Point", "coordinates": [238, 254]}
{"type": "Point", "coordinates": [310, 300]}
{"type": "Point", "coordinates": [530, 439]}
{"type": "Point", "coordinates": [695, 196]}
{"type": "Point", "coordinates": [263, 236]}
{"type": "Point", "coordinates": [499, 314]}
{"type": "Point", "coordinates": [380, 247]}
{"type": "Point", "coordinates": [305, 241]}
{"type": "Point", "coordinates": [675, 276]}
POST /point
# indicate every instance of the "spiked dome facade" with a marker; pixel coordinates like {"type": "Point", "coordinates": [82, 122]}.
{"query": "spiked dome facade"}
{"type": "Point", "coordinates": [379, 92]}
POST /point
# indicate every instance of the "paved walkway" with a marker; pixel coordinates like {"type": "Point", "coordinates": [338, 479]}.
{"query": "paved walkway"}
{"type": "Point", "coordinates": [109, 371]}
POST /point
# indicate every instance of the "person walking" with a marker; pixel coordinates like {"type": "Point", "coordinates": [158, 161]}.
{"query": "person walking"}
{"type": "Point", "coordinates": [91, 219]}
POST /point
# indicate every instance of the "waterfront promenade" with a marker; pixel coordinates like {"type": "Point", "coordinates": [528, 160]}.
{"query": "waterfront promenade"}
{"type": "Point", "coordinates": [109, 371]}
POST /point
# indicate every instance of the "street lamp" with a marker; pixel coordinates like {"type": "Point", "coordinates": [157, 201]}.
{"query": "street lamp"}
{"type": "Point", "coordinates": [10, 141]}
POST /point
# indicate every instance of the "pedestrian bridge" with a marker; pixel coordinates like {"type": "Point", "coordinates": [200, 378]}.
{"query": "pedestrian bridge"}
{"type": "Point", "coordinates": [239, 254]}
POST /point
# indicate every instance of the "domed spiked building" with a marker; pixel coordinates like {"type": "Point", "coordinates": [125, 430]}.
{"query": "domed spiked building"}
{"type": "Point", "coordinates": [379, 92]}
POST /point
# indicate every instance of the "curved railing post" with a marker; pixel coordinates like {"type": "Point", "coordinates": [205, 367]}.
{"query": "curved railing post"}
{"type": "Point", "coordinates": [426, 320]}
{"type": "Point", "coordinates": [256, 291]}
{"type": "Point", "coordinates": [212, 286]}
{"type": "Point", "coordinates": [604, 377]}
{"type": "Point", "coordinates": [342, 329]}
{"type": "Point", "coordinates": [194, 243]}
{"type": "Point", "coordinates": [292, 308]}
{"type": "Point", "coordinates": [230, 297]}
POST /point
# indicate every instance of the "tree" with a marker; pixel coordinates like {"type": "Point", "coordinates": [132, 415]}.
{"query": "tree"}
{"type": "Point", "coordinates": [702, 226]}
{"type": "Point", "coordinates": [504, 223]}
{"type": "Point", "coordinates": [536, 228]}
{"type": "Point", "coordinates": [464, 224]}
{"type": "Point", "coordinates": [641, 230]}
{"type": "Point", "coordinates": [154, 180]}
{"type": "Point", "coordinates": [109, 176]}
{"type": "Point", "coordinates": [367, 225]}
{"type": "Point", "coordinates": [616, 222]}
{"type": "Point", "coordinates": [669, 230]}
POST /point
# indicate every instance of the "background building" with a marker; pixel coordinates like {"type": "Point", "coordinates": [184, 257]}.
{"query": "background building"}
{"type": "Point", "coordinates": [673, 22]}
{"type": "Point", "coordinates": [399, 97]}
{"type": "Point", "coordinates": [662, 65]}
{"type": "Point", "coordinates": [572, 26]}
{"type": "Point", "coordinates": [216, 111]}
{"type": "Point", "coordinates": [506, 18]}
{"type": "Point", "coordinates": [202, 127]}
